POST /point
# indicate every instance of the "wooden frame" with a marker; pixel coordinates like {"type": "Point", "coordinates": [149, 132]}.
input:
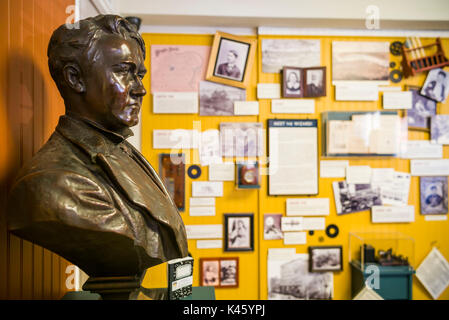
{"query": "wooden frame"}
{"type": "Point", "coordinates": [288, 91]}
{"type": "Point", "coordinates": [249, 237]}
{"type": "Point", "coordinates": [220, 282]}
{"type": "Point", "coordinates": [240, 50]}
{"type": "Point", "coordinates": [309, 92]}
{"type": "Point", "coordinates": [312, 251]}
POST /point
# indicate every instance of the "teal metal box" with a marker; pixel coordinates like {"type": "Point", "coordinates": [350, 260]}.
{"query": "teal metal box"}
{"type": "Point", "coordinates": [395, 282]}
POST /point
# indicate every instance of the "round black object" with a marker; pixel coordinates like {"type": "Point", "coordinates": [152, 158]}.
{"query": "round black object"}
{"type": "Point", "coordinates": [136, 21]}
{"type": "Point", "coordinates": [321, 239]}
{"type": "Point", "coordinates": [194, 171]}
{"type": "Point", "coordinates": [395, 48]}
{"type": "Point", "coordinates": [396, 76]}
{"type": "Point", "coordinates": [332, 231]}
{"type": "Point", "coordinates": [311, 232]}
{"type": "Point", "coordinates": [392, 64]}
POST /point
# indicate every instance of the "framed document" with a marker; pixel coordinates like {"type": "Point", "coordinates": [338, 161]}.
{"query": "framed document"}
{"type": "Point", "coordinates": [293, 152]}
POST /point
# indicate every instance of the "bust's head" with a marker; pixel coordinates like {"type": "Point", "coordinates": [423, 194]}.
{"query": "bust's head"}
{"type": "Point", "coordinates": [98, 66]}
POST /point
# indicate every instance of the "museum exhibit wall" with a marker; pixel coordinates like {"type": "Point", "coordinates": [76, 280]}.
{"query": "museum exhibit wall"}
{"type": "Point", "coordinates": [30, 106]}
{"type": "Point", "coordinates": [253, 264]}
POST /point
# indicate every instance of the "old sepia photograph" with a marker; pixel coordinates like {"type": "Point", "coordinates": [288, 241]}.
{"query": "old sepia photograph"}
{"type": "Point", "coordinates": [439, 129]}
{"type": "Point", "coordinates": [418, 117]}
{"type": "Point", "coordinates": [290, 279]}
{"type": "Point", "coordinates": [218, 99]}
{"type": "Point", "coordinates": [231, 59]}
{"type": "Point", "coordinates": [325, 258]}
{"type": "Point", "coordinates": [239, 234]}
{"type": "Point", "coordinates": [210, 272]}
{"type": "Point", "coordinates": [360, 61]}
{"type": "Point", "coordinates": [272, 226]}
{"type": "Point", "coordinates": [434, 195]}
{"type": "Point", "coordinates": [292, 82]}
{"type": "Point", "coordinates": [436, 86]}
{"type": "Point", "coordinates": [229, 271]}
{"type": "Point", "coordinates": [350, 197]}
{"type": "Point", "coordinates": [315, 82]}
{"type": "Point", "coordinates": [277, 53]}
{"type": "Point", "coordinates": [241, 139]}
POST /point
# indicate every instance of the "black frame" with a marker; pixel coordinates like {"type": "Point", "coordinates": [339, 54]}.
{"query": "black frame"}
{"type": "Point", "coordinates": [251, 231]}
{"type": "Point", "coordinates": [313, 248]}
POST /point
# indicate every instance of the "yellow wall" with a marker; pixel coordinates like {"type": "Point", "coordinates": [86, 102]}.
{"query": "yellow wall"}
{"type": "Point", "coordinates": [253, 265]}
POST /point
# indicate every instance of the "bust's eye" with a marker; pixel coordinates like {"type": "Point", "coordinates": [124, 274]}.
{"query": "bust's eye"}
{"type": "Point", "coordinates": [123, 68]}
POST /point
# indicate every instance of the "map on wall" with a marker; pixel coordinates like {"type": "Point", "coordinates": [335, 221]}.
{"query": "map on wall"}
{"type": "Point", "coordinates": [178, 68]}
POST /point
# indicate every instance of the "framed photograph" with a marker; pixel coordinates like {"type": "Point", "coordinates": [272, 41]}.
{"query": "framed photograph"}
{"type": "Point", "coordinates": [272, 226]}
{"type": "Point", "coordinates": [325, 258]}
{"type": "Point", "coordinates": [315, 82]}
{"type": "Point", "coordinates": [229, 272]}
{"type": "Point", "coordinates": [218, 100]}
{"type": "Point", "coordinates": [436, 86]}
{"type": "Point", "coordinates": [248, 175]}
{"type": "Point", "coordinates": [292, 82]}
{"type": "Point", "coordinates": [210, 272]}
{"type": "Point", "coordinates": [239, 232]}
{"type": "Point", "coordinates": [172, 173]}
{"type": "Point", "coordinates": [231, 60]}
{"type": "Point", "coordinates": [219, 272]}
{"type": "Point", "coordinates": [418, 117]}
{"type": "Point", "coordinates": [434, 195]}
{"type": "Point", "coordinates": [439, 129]}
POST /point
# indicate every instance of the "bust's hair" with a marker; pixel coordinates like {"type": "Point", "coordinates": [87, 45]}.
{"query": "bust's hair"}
{"type": "Point", "coordinates": [234, 53]}
{"type": "Point", "coordinates": [70, 43]}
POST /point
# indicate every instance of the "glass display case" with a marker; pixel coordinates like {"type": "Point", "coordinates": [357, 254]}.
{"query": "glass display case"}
{"type": "Point", "coordinates": [384, 261]}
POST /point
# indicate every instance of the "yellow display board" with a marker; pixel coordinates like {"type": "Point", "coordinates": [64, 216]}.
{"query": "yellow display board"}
{"type": "Point", "coordinates": [253, 265]}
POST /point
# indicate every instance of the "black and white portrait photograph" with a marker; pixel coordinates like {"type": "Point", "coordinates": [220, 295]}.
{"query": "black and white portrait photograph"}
{"type": "Point", "coordinates": [325, 258]}
{"type": "Point", "coordinates": [315, 79]}
{"type": "Point", "coordinates": [436, 86]}
{"type": "Point", "coordinates": [210, 272]}
{"type": "Point", "coordinates": [418, 117]}
{"type": "Point", "coordinates": [218, 99]}
{"type": "Point", "coordinates": [439, 129]}
{"type": "Point", "coordinates": [229, 270]}
{"type": "Point", "coordinates": [292, 82]}
{"type": "Point", "coordinates": [272, 226]}
{"type": "Point", "coordinates": [239, 232]}
{"type": "Point", "coordinates": [231, 59]}
{"type": "Point", "coordinates": [350, 197]}
{"type": "Point", "coordinates": [434, 195]}
{"type": "Point", "coordinates": [360, 61]}
{"type": "Point", "coordinates": [289, 278]}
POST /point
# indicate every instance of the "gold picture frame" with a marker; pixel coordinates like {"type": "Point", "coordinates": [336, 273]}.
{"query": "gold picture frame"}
{"type": "Point", "coordinates": [231, 60]}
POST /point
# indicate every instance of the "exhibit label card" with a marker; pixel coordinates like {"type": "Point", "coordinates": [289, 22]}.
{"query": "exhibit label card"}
{"type": "Point", "coordinates": [358, 174]}
{"type": "Point", "coordinates": [209, 244]}
{"type": "Point", "coordinates": [202, 202]}
{"type": "Point", "coordinates": [397, 100]}
{"type": "Point", "coordinates": [333, 168]}
{"type": "Point", "coordinates": [175, 139]}
{"type": "Point", "coordinates": [268, 91]}
{"type": "Point", "coordinates": [202, 211]}
{"type": "Point", "coordinates": [356, 92]}
{"type": "Point", "coordinates": [433, 273]}
{"type": "Point", "coordinates": [204, 231]}
{"type": "Point", "coordinates": [175, 102]}
{"type": "Point", "coordinates": [421, 149]}
{"type": "Point", "coordinates": [313, 223]}
{"type": "Point", "coordinates": [293, 151]}
{"type": "Point", "coordinates": [293, 106]}
{"type": "Point", "coordinates": [438, 167]}
{"type": "Point", "coordinates": [246, 108]}
{"type": "Point", "coordinates": [295, 238]}
{"type": "Point", "coordinates": [207, 189]}
{"type": "Point", "coordinates": [222, 171]}
{"type": "Point", "coordinates": [435, 217]}
{"type": "Point", "coordinates": [291, 224]}
{"type": "Point", "coordinates": [384, 214]}
{"type": "Point", "coordinates": [308, 207]}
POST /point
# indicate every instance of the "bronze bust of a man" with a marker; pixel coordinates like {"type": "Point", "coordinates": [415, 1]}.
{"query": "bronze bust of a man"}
{"type": "Point", "coordinates": [88, 195]}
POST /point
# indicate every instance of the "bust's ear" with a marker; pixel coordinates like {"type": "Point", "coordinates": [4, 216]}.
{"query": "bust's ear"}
{"type": "Point", "coordinates": [73, 78]}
